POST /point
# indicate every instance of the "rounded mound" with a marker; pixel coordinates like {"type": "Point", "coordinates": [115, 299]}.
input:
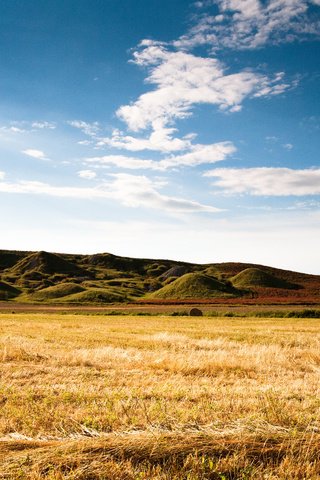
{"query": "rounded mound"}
{"type": "Point", "coordinates": [194, 285]}
{"type": "Point", "coordinates": [96, 296]}
{"type": "Point", "coordinates": [47, 263]}
{"type": "Point", "coordinates": [57, 291]}
{"type": "Point", "coordinates": [254, 277]}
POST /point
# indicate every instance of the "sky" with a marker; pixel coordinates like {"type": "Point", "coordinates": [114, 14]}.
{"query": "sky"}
{"type": "Point", "coordinates": [177, 129]}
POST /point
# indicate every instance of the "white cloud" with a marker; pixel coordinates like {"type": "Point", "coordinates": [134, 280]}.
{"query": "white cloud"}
{"type": "Point", "coordinates": [267, 181]}
{"type": "Point", "coordinates": [241, 24]}
{"type": "Point", "coordinates": [272, 138]}
{"type": "Point", "coordinates": [183, 80]}
{"type": "Point", "coordinates": [2, 175]}
{"type": "Point", "coordinates": [40, 188]}
{"type": "Point", "coordinates": [41, 125]}
{"type": "Point", "coordinates": [288, 146]}
{"type": "Point", "coordinates": [90, 129]}
{"type": "Point", "coordinates": [198, 154]}
{"type": "Point", "coordinates": [136, 191]}
{"type": "Point", "coordinates": [25, 126]}
{"type": "Point", "coordinates": [160, 139]}
{"type": "Point", "coordinates": [31, 152]}
{"type": "Point", "coordinates": [123, 161]}
{"type": "Point", "coordinates": [87, 174]}
{"type": "Point", "coordinates": [12, 129]}
{"type": "Point", "coordinates": [129, 190]}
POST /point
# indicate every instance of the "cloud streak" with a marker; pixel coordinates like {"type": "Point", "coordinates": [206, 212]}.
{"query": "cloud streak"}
{"type": "Point", "coordinates": [129, 190]}
{"type": "Point", "coordinates": [267, 181]}
{"type": "Point", "coordinates": [87, 174]}
{"type": "Point", "coordinates": [199, 154]}
{"type": "Point", "coordinates": [38, 154]}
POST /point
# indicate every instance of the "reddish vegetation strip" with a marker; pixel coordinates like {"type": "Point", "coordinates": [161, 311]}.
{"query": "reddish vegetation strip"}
{"type": "Point", "coordinates": [159, 307]}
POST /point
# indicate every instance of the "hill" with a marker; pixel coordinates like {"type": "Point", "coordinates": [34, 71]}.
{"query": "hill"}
{"type": "Point", "coordinates": [47, 263]}
{"type": "Point", "coordinates": [194, 285]}
{"type": "Point", "coordinates": [257, 278]}
{"type": "Point", "coordinates": [44, 277]}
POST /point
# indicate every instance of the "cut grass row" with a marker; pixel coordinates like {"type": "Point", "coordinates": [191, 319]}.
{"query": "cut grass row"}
{"type": "Point", "coordinates": [150, 455]}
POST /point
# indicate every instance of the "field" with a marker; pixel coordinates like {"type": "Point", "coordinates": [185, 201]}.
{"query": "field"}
{"type": "Point", "coordinates": [156, 397]}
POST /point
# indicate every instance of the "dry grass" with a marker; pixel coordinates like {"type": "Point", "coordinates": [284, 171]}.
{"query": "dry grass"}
{"type": "Point", "coordinates": [93, 397]}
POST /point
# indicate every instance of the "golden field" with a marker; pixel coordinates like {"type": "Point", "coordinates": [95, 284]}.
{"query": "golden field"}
{"type": "Point", "coordinates": [154, 397]}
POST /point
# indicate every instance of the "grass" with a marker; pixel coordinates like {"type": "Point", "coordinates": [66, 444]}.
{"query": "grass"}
{"type": "Point", "coordinates": [131, 397]}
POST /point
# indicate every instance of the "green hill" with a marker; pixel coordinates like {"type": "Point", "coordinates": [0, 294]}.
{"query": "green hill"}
{"type": "Point", "coordinates": [48, 264]}
{"type": "Point", "coordinates": [57, 291]}
{"type": "Point", "coordinates": [9, 258]}
{"type": "Point", "coordinates": [254, 277]}
{"type": "Point", "coordinates": [96, 296]}
{"type": "Point", "coordinates": [194, 285]}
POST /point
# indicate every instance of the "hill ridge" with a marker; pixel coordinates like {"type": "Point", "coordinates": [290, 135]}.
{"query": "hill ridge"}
{"type": "Point", "coordinates": [107, 276]}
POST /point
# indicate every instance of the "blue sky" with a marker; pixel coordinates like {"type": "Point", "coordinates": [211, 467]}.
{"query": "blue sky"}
{"type": "Point", "coordinates": [172, 129]}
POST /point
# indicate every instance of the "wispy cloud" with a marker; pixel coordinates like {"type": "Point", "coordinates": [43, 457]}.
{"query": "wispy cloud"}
{"type": "Point", "coordinates": [246, 24]}
{"type": "Point", "coordinates": [129, 190]}
{"type": "Point", "coordinates": [160, 139]}
{"type": "Point", "coordinates": [90, 129]}
{"type": "Point", "coordinates": [41, 125]}
{"type": "Point", "coordinates": [123, 161]}
{"type": "Point", "coordinates": [38, 154]}
{"type": "Point", "coordinates": [87, 174]}
{"type": "Point", "coordinates": [11, 129]}
{"type": "Point", "coordinates": [2, 175]}
{"type": "Point", "coordinates": [139, 190]}
{"type": "Point", "coordinates": [267, 181]}
{"type": "Point", "coordinates": [287, 146]}
{"type": "Point", "coordinates": [25, 126]}
{"type": "Point", "coordinates": [199, 154]}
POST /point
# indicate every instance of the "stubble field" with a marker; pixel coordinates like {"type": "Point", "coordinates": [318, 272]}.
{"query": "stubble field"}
{"type": "Point", "coordinates": [152, 397]}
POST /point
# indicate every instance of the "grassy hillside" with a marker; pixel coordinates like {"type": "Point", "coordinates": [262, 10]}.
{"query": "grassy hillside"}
{"type": "Point", "coordinates": [106, 278]}
{"type": "Point", "coordinates": [194, 285]}
{"type": "Point", "coordinates": [57, 291]}
{"type": "Point", "coordinates": [47, 264]}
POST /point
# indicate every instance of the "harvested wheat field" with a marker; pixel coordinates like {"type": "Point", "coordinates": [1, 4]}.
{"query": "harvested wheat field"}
{"type": "Point", "coordinates": [114, 397]}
